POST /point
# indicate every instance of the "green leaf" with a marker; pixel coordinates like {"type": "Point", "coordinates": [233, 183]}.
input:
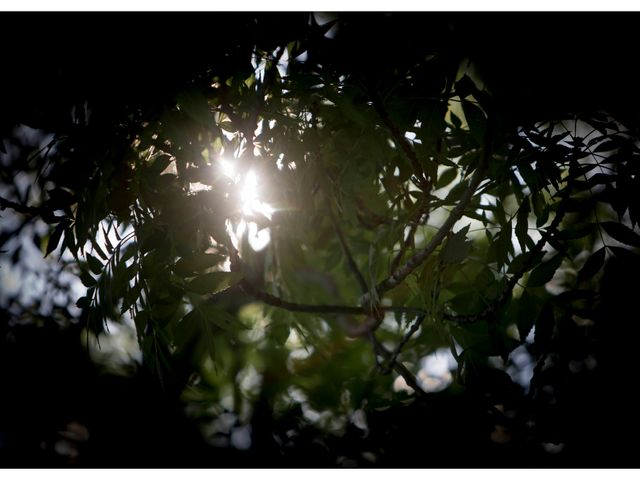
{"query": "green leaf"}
{"type": "Point", "coordinates": [446, 177]}
{"type": "Point", "coordinates": [455, 193]}
{"type": "Point", "coordinates": [592, 265]}
{"type": "Point", "coordinates": [94, 264]}
{"type": "Point", "coordinates": [196, 263]}
{"type": "Point", "coordinates": [54, 238]}
{"type": "Point", "coordinates": [622, 233]}
{"type": "Point", "coordinates": [214, 282]}
{"type": "Point", "coordinates": [457, 247]}
{"type": "Point", "coordinates": [544, 272]}
{"type": "Point", "coordinates": [279, 332]}
{"type": "Point", "coordinates": [524, 259]}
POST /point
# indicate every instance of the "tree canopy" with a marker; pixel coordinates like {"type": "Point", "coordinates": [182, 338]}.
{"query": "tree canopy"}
{"type": "Point", "coordinates": [325, 227]}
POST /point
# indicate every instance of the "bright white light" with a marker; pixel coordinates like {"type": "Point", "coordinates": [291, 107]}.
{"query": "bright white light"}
{"type": "Point", "coordinates": [228, 168]}
{"type": "Point", "coordinates": [249, 197]}
{"type": "Point", "coordinates": [258, 239]}
{"type": "Point", "coordinates": [249, 204]}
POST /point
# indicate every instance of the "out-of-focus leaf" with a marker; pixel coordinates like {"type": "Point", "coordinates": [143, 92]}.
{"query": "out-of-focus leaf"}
{"type": "Point", "coordinates": [544, 327]}
{"type": "Point", "coordinates": [457, 247]}
{"type": "Point", "coordinates": [194, 104]}
{"type": "Point", "coordinates": [197, 263]}
{"type": "Point", "coordinates": [527, 311]}
{"type": "Point", "coordinates": [214, 282]}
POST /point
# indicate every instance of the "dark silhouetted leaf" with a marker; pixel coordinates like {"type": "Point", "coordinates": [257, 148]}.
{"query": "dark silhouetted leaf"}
{"type": "Point", "coordinates": [457, 247]}
{"type": "Point", "coordinates": [54, 239]}
{"type": "Point", "coordinates": [544, 272]}
{"type": "Point", "coordinates": [527, 312]}
{"type": "Point", "coordinates": [94, 264]}
{"type": "Point", "coordinates": [86, 279]}
{"type": "Point", "coordinates": [83, 302]}
{"type": "Point", "coordinates": [592, 265]}
{"type": "Point", "coordinates": [608, 145]}
{"type": "Point", "coordinates": [622, 233]}
{"type": "Point", "coordinates": [522, 225]}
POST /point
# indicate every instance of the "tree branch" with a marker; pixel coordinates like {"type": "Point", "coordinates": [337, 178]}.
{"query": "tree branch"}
{"type": "Point", "coordinates": [537, 248]}
{"type": "Point", "coordinates": [414, 328]}
{"type": "Point", "coordinates": [300, 307]}
{"type": "Point", "coordinates": [406, 241]}
{"type": "Point", "coordinates": [18, 207]}
{"type": "Point", "coordinates": [506, 291]}
{"type": "Point", "coordinates": [400, 369]}
{"type": "Point", "coordinates": [420, 256]}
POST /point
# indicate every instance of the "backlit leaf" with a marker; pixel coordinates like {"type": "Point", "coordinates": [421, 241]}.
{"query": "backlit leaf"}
{"type": "Point", "coordinates": [214, 282]}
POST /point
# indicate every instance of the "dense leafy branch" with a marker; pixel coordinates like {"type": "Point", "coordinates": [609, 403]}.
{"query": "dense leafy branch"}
{"type": "Point", "coordinates": [423, 182]}
{"type": "Point", "coordinates": [420, 256]}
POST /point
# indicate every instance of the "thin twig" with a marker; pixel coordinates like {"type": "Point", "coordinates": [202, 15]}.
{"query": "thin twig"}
{"type": "Point", "coordinates": [420, 256]}
{"type": "Point", "coordinates": [414, 328]}
{"type": "Point", "coordinates": [403, 371]}
{"type": "Point", "coordinates": [299, 307]}
{"type": "Point", "coordinates": [406, 242]}
{"type": "Point", "coordinates": [353, 266]}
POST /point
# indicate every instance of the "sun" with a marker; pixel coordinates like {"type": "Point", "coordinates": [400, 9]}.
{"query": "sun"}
{"type": "Point", "coordinates": [250, 205]}
{"type": "Point", "coordinates": [249, 190]}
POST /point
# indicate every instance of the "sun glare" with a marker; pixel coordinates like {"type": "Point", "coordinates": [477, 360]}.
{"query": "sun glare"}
{"type": "Point", "coordinates": [228, 168]}
{"type": "Point", "coordinates": [249, 194]}
{"type": "Point", "coordinates": [248, 186]}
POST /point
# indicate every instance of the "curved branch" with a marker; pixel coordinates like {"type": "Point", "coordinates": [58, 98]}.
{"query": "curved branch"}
{"type": "Point", "coordinates": [420, 256]}
{"type": "Point", "coordinates": [299, 307]}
